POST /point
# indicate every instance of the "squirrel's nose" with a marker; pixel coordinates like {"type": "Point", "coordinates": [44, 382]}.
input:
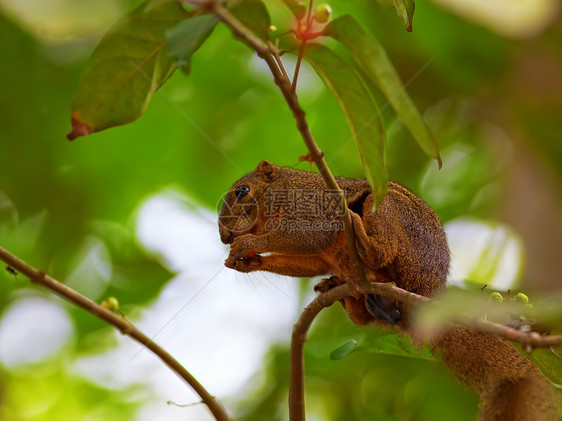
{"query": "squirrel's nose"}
{"type": "Point", "coordinates": [226, 235]}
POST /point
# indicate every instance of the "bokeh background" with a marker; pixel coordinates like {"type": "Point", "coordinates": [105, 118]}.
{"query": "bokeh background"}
{"type": "Point", "coordinates": [131, 212]}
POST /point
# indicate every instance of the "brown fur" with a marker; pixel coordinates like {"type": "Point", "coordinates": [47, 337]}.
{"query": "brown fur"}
{"type": "Point", "coordinates": [510, 386]}
{"type": "Point", "coordinates": [402, 242]}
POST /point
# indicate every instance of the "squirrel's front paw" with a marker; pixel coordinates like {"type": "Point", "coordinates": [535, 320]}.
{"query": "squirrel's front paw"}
{"type": "Point", "coordinates": [242, 246]}
{"type": "Point", "coordinates": [242, 258]}
{"type": "Point", "coordinates": [243, 264]}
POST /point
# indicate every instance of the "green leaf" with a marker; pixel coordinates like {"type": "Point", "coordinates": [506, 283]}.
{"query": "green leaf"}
{"type": "Point", "coordinates": [255, 16]}
{"type": "Point", "coordinates": [405, 9]}
{"type": "Point", "coordinates": [387, 344]}
{"type": "Point", "coordinates": [343, 350]}
{"type": "Point", "coordinates": [127, 67]}
{"type": "Point", "coordinates": [361, 113]}
{"type": "Point", "coordinates": [548, 360]}
{"type": "Point", "coordinates": [397, 345]}
{"type": "Point", "coordinates": [371, 57]}
{"type": "Point", "coordinates": [186, 38]}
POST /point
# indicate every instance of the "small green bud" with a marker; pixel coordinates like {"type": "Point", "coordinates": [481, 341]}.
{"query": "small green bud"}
{"type": "Point", "coordinates": [111, 303]}
{"type": "Point", "coordinates": [496, 296]}
{"type": "Point", "coordinates": [322, 13]}
{"type": "Point", "coordinates": [522, 297]}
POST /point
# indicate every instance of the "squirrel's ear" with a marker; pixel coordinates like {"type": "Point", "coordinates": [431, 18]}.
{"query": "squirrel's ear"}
{"type": "Point", "coordinates": [265, 167]}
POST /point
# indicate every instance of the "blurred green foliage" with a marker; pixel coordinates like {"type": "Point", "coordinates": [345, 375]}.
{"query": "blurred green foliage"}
{"type": "Point", "coordinates": [493, 103]}
{"type": "Point", "coordinates": [362, 386]}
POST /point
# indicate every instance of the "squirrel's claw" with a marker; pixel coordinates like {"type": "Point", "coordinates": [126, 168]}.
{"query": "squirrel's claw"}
{"type": "Point", "coordinates": [327, 284]}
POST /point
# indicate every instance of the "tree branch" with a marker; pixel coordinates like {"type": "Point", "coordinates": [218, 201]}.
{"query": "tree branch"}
{"type": "Point", "coordinates": [37, 276]}
{"type": "Point", "coordinates": [529, 340]}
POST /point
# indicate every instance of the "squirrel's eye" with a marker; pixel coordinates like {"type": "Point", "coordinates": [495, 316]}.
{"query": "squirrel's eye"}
{"type": "Point", "coordinates": [242, 191]}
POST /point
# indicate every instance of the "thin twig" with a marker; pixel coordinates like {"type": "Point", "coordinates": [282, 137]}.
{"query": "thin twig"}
{"type": "Point", "coordinates": [37, 276]}
{"type": "Point", "coordinates": [529, 340]}
{"type": "Point", "coordinates": [298, 66]}
{"type": "Point", "coordinates": [276, 56]}
{"type": "Point", "coordinates": [308, 24]}
{"type": "Point", "coordinates": [356, 275]}
{"type": "Point", "coordinates": [356, 272]}
{"type": "Point", "coordinates": [391, 291]}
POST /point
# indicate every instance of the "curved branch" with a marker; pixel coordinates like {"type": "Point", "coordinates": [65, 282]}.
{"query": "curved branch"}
{"type": "Point", "coordinates": [529, 340]}
{"type": "Point", "coordinates": [300, 329]}
{"type": "Point", "coordinates": [37, 276]}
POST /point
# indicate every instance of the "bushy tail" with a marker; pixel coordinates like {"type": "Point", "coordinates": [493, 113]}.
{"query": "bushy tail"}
{"type": "Point", "coordinates": [511, 388]}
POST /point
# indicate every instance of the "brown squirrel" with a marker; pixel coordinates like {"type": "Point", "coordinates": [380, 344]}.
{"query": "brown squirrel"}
{"type": "Point", "coordinates": [290, 217]}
